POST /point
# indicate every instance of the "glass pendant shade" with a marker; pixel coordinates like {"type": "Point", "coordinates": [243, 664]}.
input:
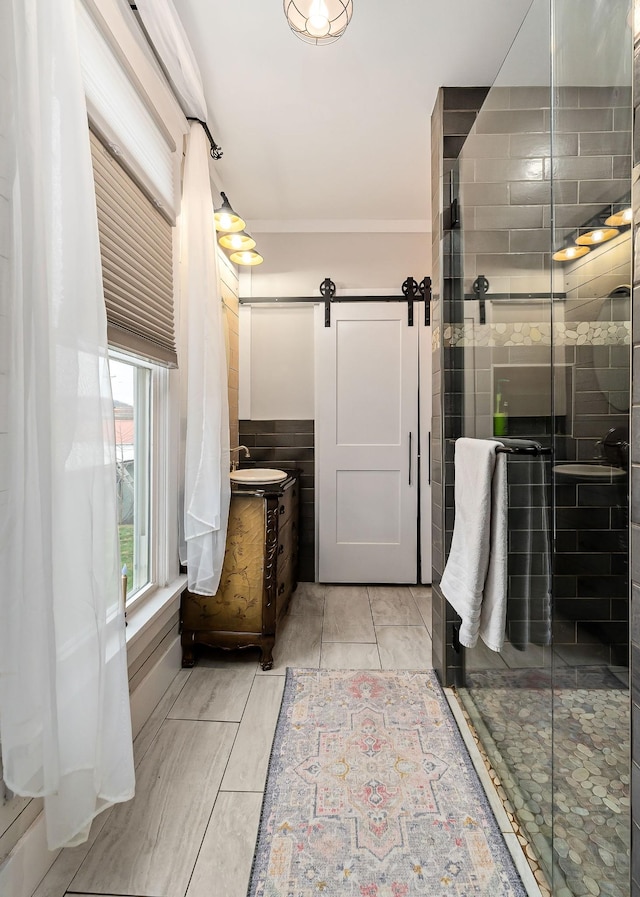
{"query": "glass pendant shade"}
{"type": "Point", "coordinates": [226, 219]}
{"type": "Point", "coordinates": [318, 21]}
{"type": "Point", "coordinates": [598, 235]}
{"type": "Point", "coordinates": [235, 242]}
{"type": "Point", "coordinates": [246, 257]}
{"type": "Point", "coordinates": [570, 253]}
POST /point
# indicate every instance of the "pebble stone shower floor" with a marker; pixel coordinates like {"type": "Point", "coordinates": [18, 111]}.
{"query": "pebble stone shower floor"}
{"type": "Point", "coordinates": [512, 712]}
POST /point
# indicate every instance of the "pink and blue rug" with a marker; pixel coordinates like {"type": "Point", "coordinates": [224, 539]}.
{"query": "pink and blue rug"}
{"type": "Point", "coordinates": [371, 793]}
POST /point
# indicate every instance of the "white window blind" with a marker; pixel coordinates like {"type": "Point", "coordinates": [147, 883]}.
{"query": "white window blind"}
{"type": "Point", "coordinates": [137, 263]}
{"type": "Point", "coordinates": [119, 114]}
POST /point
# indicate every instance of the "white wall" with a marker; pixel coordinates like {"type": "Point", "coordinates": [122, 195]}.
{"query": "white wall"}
{"type": "Point", "coordinates": [281, 378]}
{"type": "Point", "coordinates": [296, 263]}
{"type": "Point", "coordinates": [276, 341]}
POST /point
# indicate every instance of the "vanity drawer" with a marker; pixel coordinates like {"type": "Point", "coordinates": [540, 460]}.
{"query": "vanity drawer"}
{"type": "Point", "coordinates": [285, 583]}
{"type": "Point", "coordinates": [287, 505]}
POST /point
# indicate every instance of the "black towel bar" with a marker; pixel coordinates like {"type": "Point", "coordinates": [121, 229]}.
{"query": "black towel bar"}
{"type": "Point", "coordinates": [515, 449]}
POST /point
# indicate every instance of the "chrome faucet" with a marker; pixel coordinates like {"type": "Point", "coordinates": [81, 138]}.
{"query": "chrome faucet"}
{"type": "Point", "coordinates": [234, 462]}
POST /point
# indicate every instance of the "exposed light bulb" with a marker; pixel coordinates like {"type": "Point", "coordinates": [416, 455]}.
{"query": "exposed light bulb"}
{"type": "Point", "coordinates": [236, 241]}
{"type": "Point", "coordinates": [318, 24]}
{"type": "Point", "coordinates": [627, 215]}
{"type": "Point", "coordinates": [225, 221]}
{"type": "Point", "coordinates": [597, 236]}
{"type": "Point", "coordinates": [570, 252]}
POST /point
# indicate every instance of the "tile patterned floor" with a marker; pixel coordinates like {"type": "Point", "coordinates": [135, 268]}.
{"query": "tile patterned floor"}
{"type": "Point", "coordinates": [201, 759]}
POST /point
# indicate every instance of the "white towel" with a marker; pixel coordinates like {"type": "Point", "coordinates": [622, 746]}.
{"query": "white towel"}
{"type": "Point", "coordinates": [475, 577]}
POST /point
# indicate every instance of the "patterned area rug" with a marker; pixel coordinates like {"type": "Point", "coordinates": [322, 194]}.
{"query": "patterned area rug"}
{"type": "Point", "coordinates": [371, 793]}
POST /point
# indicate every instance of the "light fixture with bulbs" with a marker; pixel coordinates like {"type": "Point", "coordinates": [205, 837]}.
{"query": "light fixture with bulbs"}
{"type": "Point", "coordinates": [246, 257]}
{"type": "Point", "coordinates": [236, 242]}
{"type": "Point", "coordinates": [233, 238]}
{"type": "Point", "coordinates": [597, 236]}
{"type": "Point", "coordinates": [318, 22]}
{"type": "Point", "coordinates": [570, 253]}
{"type": "Point", "coordinates": [620, 219]}
{"type": "Point", "coordinates": [226, 219]}
{"type": "Point", "coordinates": [601, 228]}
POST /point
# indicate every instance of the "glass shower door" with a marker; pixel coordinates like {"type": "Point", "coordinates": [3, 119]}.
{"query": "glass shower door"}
{"type": "Point", "coordinates": [536, 340]}
{"type": "Point", "coordinates": [498, 350]}
{"type": "Point", "coordinates": [591, 185]}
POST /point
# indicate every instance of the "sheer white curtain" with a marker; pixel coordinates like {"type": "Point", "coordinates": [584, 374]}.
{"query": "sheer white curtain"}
{"type": "Point", "coordinates": [203, 358]}
{"type": "Point", "coordinates": [207, 489]}
{"type": "Point", "coordinates": [64, 703]}
{"type": "Point", "coordinates": [171, 43]}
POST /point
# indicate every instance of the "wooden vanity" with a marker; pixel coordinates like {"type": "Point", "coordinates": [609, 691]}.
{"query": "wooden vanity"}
{"type": "Point", "coordinates": [258, 575]}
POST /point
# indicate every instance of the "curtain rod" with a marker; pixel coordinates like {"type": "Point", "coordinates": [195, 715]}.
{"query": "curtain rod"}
{"type": "Point", "coordinates": [216, 151]}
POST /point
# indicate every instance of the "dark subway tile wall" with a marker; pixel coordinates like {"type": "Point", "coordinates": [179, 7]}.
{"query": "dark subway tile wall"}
{"type": "Point", "coordinates": [453, 117]}
{"type": "Point", "coordinates": [289, 444]}
{"type": "Point", "coordinates": [506, 173]}
{"type": "Point", "coordinates": [509, 195]}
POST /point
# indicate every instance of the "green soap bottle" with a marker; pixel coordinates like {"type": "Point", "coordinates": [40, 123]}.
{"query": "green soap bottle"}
{"type": "Point", "coordinates": [501, 414]}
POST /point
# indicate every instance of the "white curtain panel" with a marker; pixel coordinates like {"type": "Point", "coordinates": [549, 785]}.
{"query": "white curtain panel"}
{"type": "Point", "coordinates": [203, 355]}
{"type": "Point", "coordinates": [64, 704]}
{"type": "Point", "coordinates": [171, 43]}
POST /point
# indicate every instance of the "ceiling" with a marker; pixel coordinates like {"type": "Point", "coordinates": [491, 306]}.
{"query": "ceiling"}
{"type": "Point", "coordinates": [337, 137]}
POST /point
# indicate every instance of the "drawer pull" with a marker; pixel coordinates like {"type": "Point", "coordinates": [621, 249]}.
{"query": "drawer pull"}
{"type": "Point", "coordinates": [282, 509]}
{"type": "Point", "coordinates": [281, 589]}
{"type": "Point", "coordinates": [281, 549]}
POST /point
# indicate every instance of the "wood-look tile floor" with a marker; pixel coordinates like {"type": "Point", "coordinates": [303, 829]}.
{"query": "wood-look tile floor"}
{"type": "Point", "coordinates": [201, 758]}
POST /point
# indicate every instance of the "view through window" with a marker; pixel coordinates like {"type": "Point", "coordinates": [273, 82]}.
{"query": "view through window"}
{"type": "Point", "coordinates": [131, 387]}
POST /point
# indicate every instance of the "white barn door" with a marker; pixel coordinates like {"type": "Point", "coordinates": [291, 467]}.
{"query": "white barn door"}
{"type": "Point", "coordinates": [367, 443]}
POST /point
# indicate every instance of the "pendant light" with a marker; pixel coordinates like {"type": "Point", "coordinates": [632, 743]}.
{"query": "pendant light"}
{"type": "Point", "coordinates": [233, 238]}
{"type": "Point", "coordinates": [318, 22]}
{"type": "Point", "coordinates": [570, 253]}
{"type": "Point", "coordinates": [237, 242]}
{"type": "Point", "coordinates": [246, 257]}
{"type": "Point", "coordinates": [599, 235]}
{"type": "Point", "coordinates": [620, 219]}
{"type": "Point", "coordinates": [226, 219]}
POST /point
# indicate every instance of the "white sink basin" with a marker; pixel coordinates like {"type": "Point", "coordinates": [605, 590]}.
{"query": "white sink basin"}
{"type": "Point", "coordinates": [589, 471]}
{"type": "Point", "coordinates": [256, 475]}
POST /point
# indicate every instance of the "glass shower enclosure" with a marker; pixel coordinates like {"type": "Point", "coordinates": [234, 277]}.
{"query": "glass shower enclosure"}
{"type": "Point", "coordinates": [536, 335]}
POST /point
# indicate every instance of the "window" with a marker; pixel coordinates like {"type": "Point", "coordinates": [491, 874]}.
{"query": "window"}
{"type": "Point", "coordinates": [131, 384]}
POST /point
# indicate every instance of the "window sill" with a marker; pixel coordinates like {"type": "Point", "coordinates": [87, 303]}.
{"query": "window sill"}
{"type": "Point", "coordinates": [146, 618]}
